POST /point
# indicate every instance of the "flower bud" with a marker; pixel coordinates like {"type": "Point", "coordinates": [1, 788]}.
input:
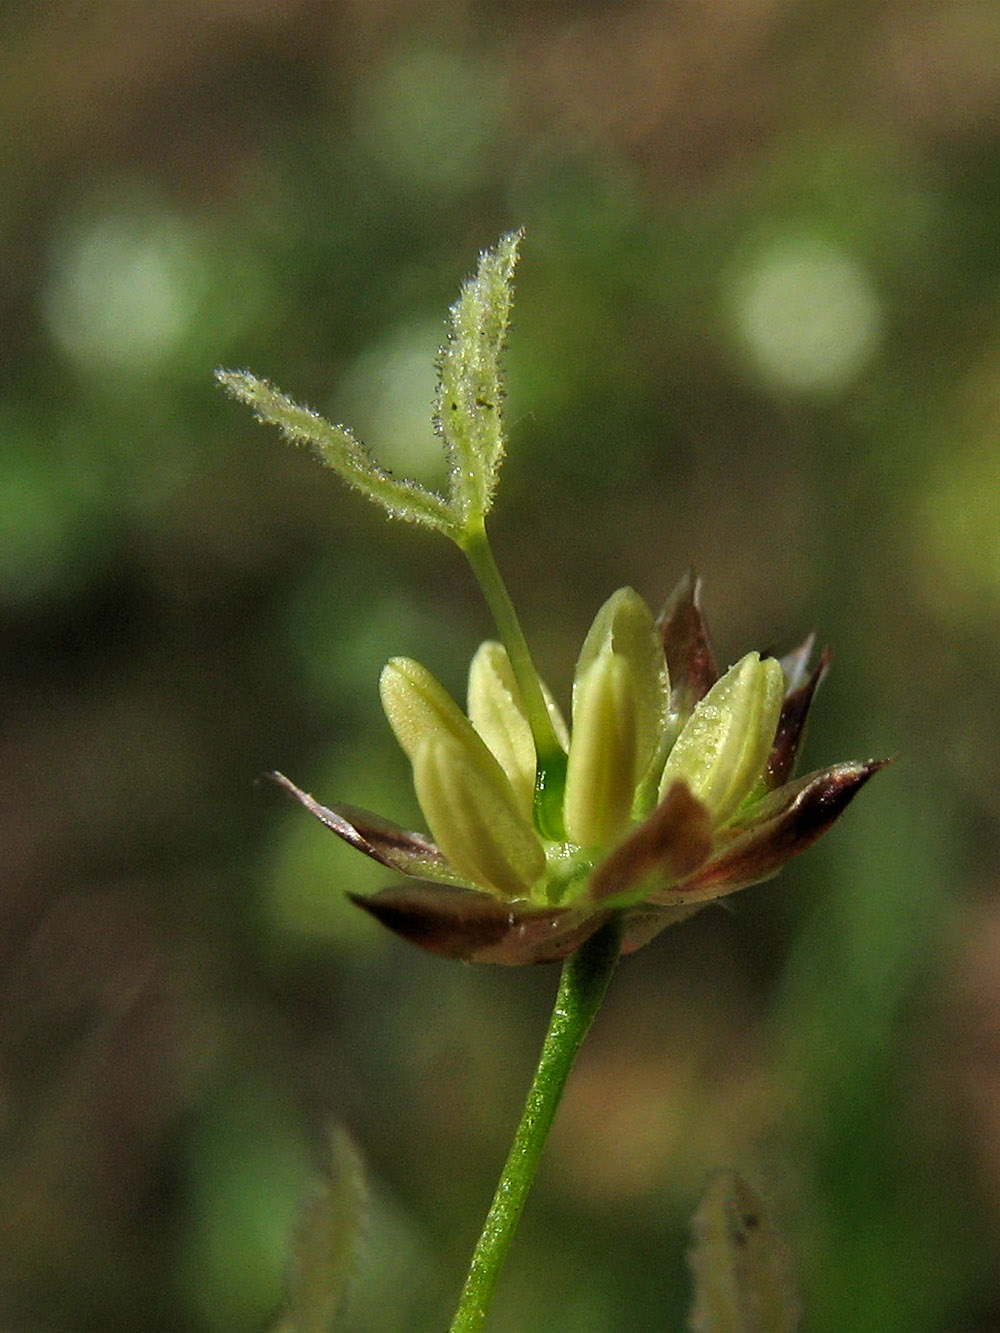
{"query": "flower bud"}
{"type": "Point", "coordinates": [722, 750]}
{"type": "Point", "coordinates": [472, 812]}
{"type": "Point", "coordinates": [620, 700]}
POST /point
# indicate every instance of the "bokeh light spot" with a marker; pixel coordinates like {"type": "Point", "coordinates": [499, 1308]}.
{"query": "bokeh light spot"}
{"type": "Point", "coordinates": [808, 314]}
{"type": "Point", "coordinates": [125, 287]}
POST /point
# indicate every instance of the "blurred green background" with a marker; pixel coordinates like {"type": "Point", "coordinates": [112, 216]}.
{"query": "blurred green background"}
{"type": "Point", "coordinates": [757, 332]}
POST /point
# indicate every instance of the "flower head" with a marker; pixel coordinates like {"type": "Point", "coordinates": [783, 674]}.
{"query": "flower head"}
{"type": "Point", "coordinates": [677, 789]}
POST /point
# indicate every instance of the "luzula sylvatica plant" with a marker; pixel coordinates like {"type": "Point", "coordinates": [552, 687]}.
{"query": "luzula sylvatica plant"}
{"type": "Point", "coordinates": [670, 786]}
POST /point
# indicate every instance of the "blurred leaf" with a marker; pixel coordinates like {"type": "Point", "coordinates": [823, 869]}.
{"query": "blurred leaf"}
{"type": "Point", "coordinates": [742, 1268]}
{"type": "Point", "coordinates": [325, 1246]}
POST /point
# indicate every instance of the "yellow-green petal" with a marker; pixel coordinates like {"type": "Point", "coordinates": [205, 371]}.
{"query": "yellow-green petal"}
{"type": "Point", "coordinates": [472, 813]}
{"type": "Point", "coordinates": [497, 713]}
{"type": "Point", "coordinates": [496, 710]}
{"type": "Point", "coordinates": [417, 705]}
{"type": "Point", "coordinates": [600, 776]}
{"type": "Point", "coordinates": [625, 627]}
{"type": "Point", "coordinates": [722, 750]}
{"type": "Point", "coordinates": [620, 701]}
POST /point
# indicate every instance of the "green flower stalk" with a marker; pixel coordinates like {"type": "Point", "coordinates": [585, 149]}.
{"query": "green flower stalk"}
{"type": "Point", "coordinates": [672, 787]}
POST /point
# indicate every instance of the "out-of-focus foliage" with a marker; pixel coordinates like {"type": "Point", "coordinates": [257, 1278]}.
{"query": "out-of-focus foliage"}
{"type": "Point", "coordinates": [757, 331]}
{"type": "Point", "coordinates": [744, 1278]}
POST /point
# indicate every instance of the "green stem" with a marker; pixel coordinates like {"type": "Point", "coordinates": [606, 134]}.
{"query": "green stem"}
{"type": "Point", "coordinates": [551, 775]}
{"type": "Point", "coordinates": [584, 980]}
